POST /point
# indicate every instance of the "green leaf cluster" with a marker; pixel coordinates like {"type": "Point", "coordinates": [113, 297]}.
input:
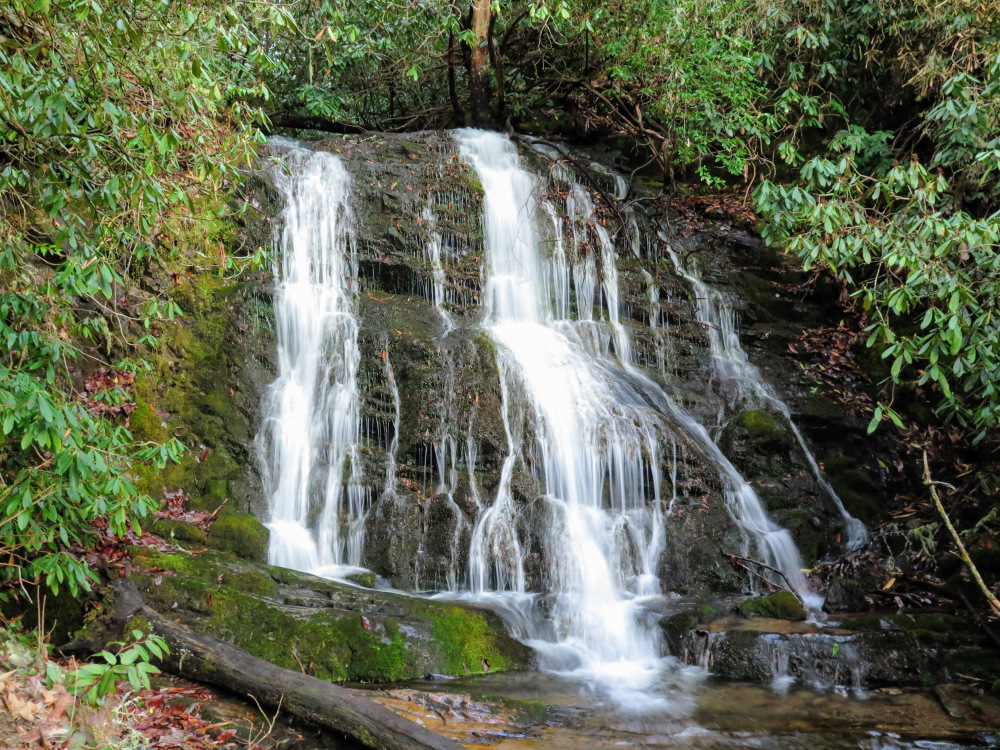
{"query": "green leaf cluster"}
{"type": "Point", "coordinates": [118, 123]}
{"type": "Point", "coordinates": [130, 662]}
{"type": "Point", "coordinates": [907, 218]}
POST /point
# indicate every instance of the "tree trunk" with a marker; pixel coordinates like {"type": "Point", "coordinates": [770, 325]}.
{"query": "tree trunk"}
{"type": "Point", "coordinates": [198, 657]}
{"type": "Point", "coordinates": [496, 62]}
{"type": "Point", "coordinates": [480, 25]}
{"type": "Point", "coordinates": [456, 107]}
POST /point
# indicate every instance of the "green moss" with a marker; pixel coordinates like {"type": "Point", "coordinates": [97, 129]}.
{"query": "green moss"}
{"type": "Point", "coordinates": [242, 534]}
{"type": "Point", "coordinates": [484, 342]}
{"type": "Point", "coordinates": [676, 626]}
{"type": "Point", "coordinates": [783, 605]}
{"type": "Point", "coordinates": [871, 624]}
{"type": "Point", "coordinates": [366, 579]}
{"type": "Point", "coordinates": [244, 604]}
{"type": "Point", "coordinates": [192, 388]}
{"type": "Point", "coordinates": [332, 647]}
{"type": "Point", "coordinates": [759, 424]}
{"type": "Point", "coordinates": [145, 424]}
{"type": "Point", "coordinates": [468, 642]}
{"type": "Point", "coordinates": [213, 494]}
{"type": "Point", "coordinates": [468, 178]}
{"type": "Point", "coordinates": [179, 532]}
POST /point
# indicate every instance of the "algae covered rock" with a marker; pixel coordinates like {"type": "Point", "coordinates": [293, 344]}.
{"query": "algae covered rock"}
{"type": "Point", "coordinates": [331, 630]}
{"type": "Point", "coordinates": [179, 532]}
{"type": "Point", "coordinates": [783, 605]}
{"type": "Point", "coordinates": [676, 627]}
{"type": "Point", "coordinates": [242, 534]}
{"type": "Point", "coordinates": [759, 425]}
{"type": "Point", "coordinates": [364, 578]}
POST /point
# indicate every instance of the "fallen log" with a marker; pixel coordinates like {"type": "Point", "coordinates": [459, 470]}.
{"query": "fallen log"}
{"type": "Point", "coordinates": [204, 659]}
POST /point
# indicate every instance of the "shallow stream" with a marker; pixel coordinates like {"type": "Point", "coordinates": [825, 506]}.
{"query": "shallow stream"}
{"type": "Point", "coordinates": [518, 711]}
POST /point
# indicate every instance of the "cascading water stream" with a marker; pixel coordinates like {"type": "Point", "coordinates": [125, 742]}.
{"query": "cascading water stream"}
{"type": "Point", "coordinates": [596, 443]}
{"type": "Point", "coordinates": [602, 432]}
{"type": "Point", "coordinates": [309, 440]}
{"type": "Point", "coordinates": [598, 424]}
{"type": "Point", "coordinates": [730, 363]}
{"type": "Point", "coordinates": [432, 248]}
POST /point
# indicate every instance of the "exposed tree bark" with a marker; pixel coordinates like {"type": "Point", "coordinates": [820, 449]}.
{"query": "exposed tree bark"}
{"type": "Point", "coordinates": [496, 61]}
{"type": "Point", "coordinates": [198, 657]}
{"type": "Point", "coordinates": [456, 106]}
{"type": "Point", "coordinates": [480, 26]}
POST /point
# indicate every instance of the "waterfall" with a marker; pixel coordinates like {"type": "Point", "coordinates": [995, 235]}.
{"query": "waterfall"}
{"type": "Point", "coordinates": [599, 426]}
{"type": "Point", "coordinates": [597, 439]}
{"type": "Point", "coordinates": [309, 439]}
{"type": "Point", "coordinates": [730, 363]}
{"type": "Point", "coordinates": [597, 435]}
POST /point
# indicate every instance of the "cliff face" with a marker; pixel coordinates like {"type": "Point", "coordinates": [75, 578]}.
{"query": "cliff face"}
{"type": "Point", "coordinates": [450, 436]}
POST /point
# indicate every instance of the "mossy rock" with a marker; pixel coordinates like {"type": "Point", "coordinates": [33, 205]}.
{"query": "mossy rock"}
{"type": "Point", "coordinates": [676, 627]}
{"type": "Point", "coordinates": [241, 534]}
{"type": "Point", "coordinates": [366, 578]}
{"type": "Point", "coordinates": [179, 532]}
{"type": "Point", "coordinates": [214, 494]}
{"type": "Point", "coordinates": [783, 605]}
{"type": "Point", "coordinates": [337, 632]}
{"type": "Point", "coordinates": [145, 424]}
{"type": "Point", "coordinates": [759, 425]}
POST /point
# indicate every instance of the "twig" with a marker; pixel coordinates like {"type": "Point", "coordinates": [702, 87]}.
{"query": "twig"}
{"type": "Point", "coordinates": [739, 560]}
{"type": "Point", "coordinates": [253, 741]}
{"type": "Point", "coordinates": [963, 554]}
{"type": "Point", "coordinates": [298, 661]}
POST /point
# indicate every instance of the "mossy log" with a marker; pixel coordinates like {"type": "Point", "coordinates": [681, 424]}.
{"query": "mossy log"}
{"type": "Point", "coordinates": [204, 659]}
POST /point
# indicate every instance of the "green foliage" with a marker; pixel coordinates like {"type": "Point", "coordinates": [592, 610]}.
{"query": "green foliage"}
{"type": "Point", "coordinates": [129, 661]}
{"type": "Point", "coordinates": [691, 71]}
{"type": "Point", "coordinates": [679, 75]}
{"type": "Point", "coordinates": [908, 219]}
{"type": "Point", "coordinates": [118, 123]}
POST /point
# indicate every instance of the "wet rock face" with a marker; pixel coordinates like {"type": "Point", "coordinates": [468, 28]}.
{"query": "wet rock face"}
{"type": "Point", "coordinates": [853, 652]}
{"type": "Point", "coordinates": [845, 595]}
{"type": "Point", "coordinates": [431, 392]}
{"type": "Point", "coordinates": [783, 605]}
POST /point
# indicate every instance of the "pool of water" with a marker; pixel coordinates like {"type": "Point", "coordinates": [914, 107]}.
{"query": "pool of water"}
{"type": "Point", "coordinates": [522, 711]}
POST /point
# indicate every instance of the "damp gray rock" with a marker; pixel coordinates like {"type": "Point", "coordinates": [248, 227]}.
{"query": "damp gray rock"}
{"type": "Point", "coordinates": [845, 595]}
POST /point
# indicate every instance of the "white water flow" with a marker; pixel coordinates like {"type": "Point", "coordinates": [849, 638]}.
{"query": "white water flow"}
{"type": "Point", "coordinates": [596, 446]}
{"type": "Point", "coordinates": [309, 439]}
{"type": "Point", "coordinates": [730, 363]}
{"type": "Point", "coordinates": [432, 249]}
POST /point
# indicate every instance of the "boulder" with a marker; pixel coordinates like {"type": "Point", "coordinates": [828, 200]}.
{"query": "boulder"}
{"type": "Point", "coordinates": [845, 595]}
{"type": "Point", "coordinates": [331, 630]}
{"type": "Point", "coordinates": [783, 605]}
